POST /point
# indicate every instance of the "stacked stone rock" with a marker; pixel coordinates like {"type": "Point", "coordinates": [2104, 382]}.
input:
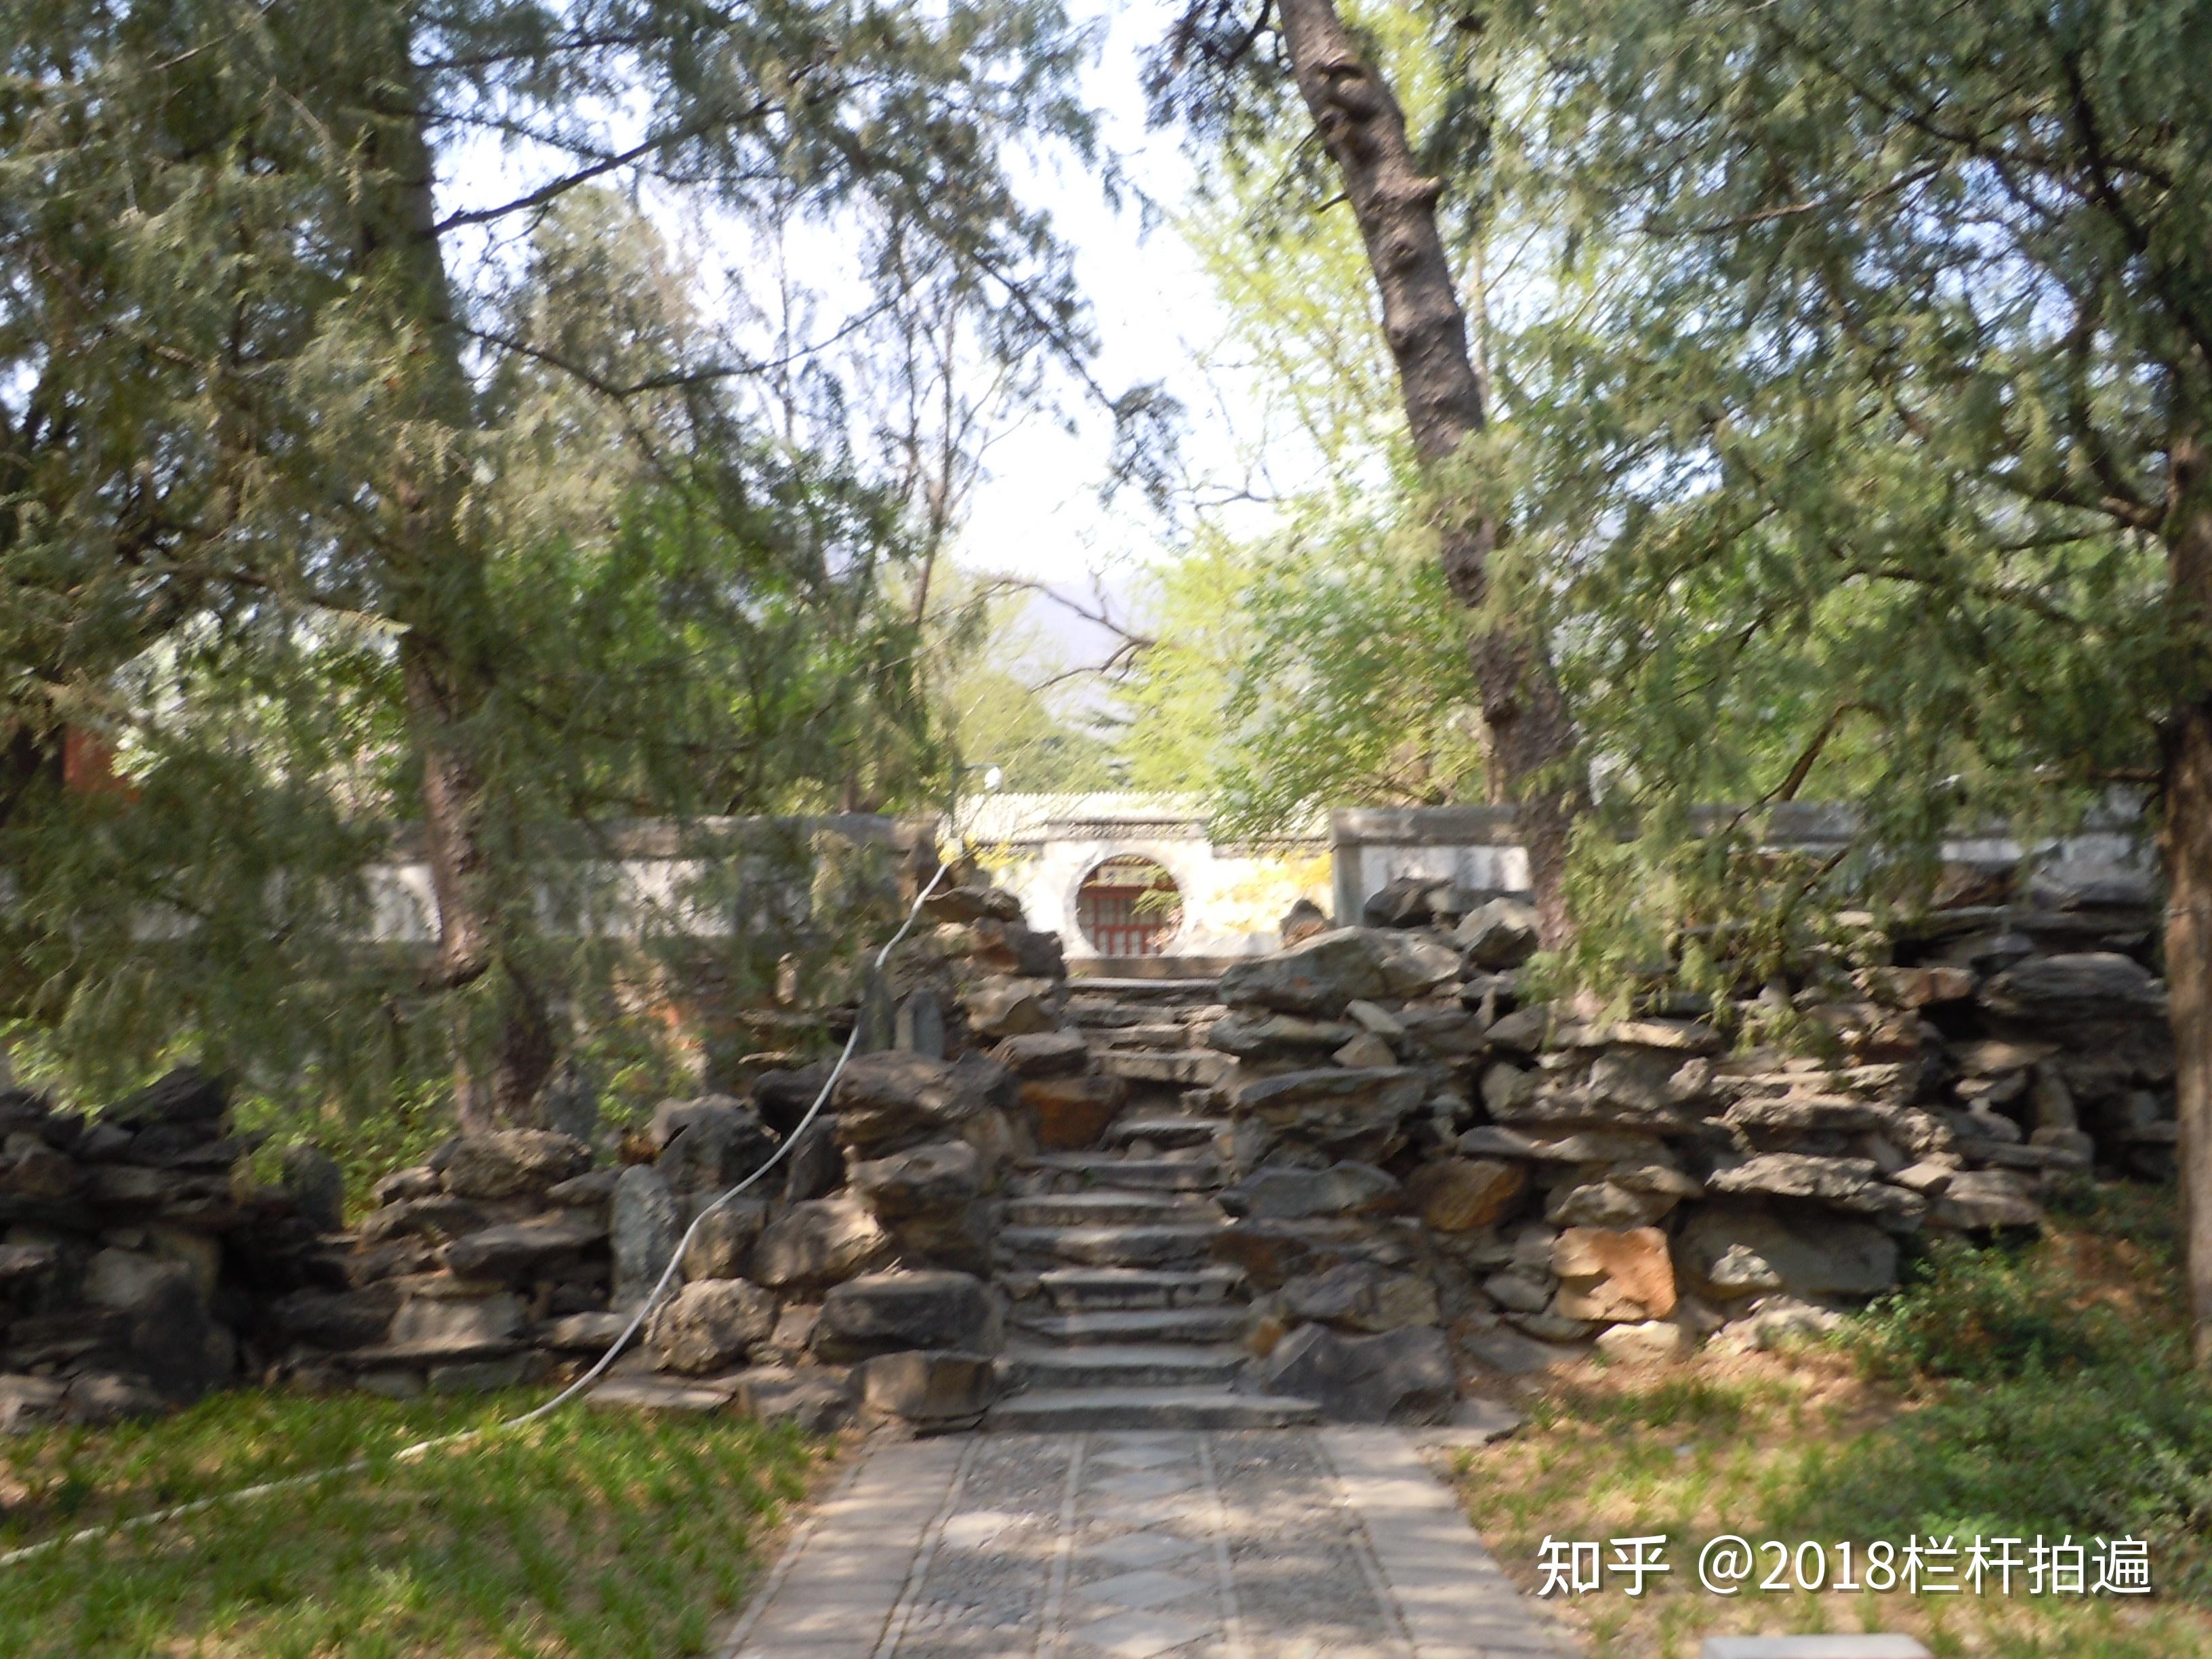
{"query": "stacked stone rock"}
{"type": "Point", "coordinates": [133, 1251]}
{"type": "Point", "coordinates": [853, 1277]}
{"type": "Point", "coordinates": [1418, 1152]}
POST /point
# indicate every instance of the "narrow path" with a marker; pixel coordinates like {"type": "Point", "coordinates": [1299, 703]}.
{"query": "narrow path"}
{"type": "Point", "coordinates": [1328, 1544]}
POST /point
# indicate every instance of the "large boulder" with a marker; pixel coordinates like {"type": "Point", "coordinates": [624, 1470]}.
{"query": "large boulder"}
{"type": "Point", "coordinates": [1499, 935]}
{"type": "Point", "coordinates": [1730, 1251]}
{"type": "Point", "coordinates": [723, 1237]}
{"type": "Point", "coordinates": [1357, 1113]}
{"type": "Point", "coordinates": [509, 1163]}
{"type": "Point", "coordinates": [2090, 985]}
{"type": "Point", "coordinates": [1460, 1195]}
{"type": "Point", "coordinates": [643, 1230]}
{"type": "Point", "coordinates": [932, 1179]}
{"type": "Point", "coordinates": [1263, 1036]}
{"type": "Point", "coordinates": [1401, 1376]}
{"type": "Point", "coordinates": [894, 1099]}
{"type": "Point", "coordinates": [821, 1243]}
{"type": "Point", "coordinates": [1011, 1007]}
{"type": "Point", "coordinates": [1359, 1296]}
{"type": "Point", "coordinates": [1412, 964]}
{"type": "Point", "coordinates": [1281, 1194]}
{"type": "Point", "coordinates": [186, 1096]}
{"type": "Point", "coordinates": [710, 1144]}
{"type": "Point", "coordinates": [1318, 975]}
{"type": "Point", "coordinates": [930, 1390]}
{"type": "Point", "coordinates": [886, 1312]}
{"type": "Point", "coordinates": [709, 1325]}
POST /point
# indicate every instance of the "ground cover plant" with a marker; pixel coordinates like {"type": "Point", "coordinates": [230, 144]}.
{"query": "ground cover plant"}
{"type": "Point", "coordinates": [2043, 1391]}
{"type": "Point", "coordinates": [589, 1534]}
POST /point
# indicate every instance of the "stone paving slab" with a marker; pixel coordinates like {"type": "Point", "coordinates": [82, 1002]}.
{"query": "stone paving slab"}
{"type": "Point", "coordinates": [1141, 1545]}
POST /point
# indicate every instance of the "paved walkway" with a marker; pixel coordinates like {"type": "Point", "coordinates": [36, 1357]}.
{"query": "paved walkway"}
{"type": "Point", "coordinates": [1333, 1544]}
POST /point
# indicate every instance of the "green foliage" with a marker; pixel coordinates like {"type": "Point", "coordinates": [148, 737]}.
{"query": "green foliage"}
{"type": "Point", "coordinates": [319, 473]}
{"type": "Point", "coordinates": [590, 1534]}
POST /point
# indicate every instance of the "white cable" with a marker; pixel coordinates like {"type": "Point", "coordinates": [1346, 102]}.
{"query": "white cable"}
{"type": "Point", "coordinates": [410, 1453]}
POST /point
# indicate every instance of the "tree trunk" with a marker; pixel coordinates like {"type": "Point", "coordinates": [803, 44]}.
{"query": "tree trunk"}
{"type": "Point", "coordinates": [439, 596]}
{"type": "Point", "coordinates": [1532, 740]}
{"type": "Point", "coordinates": [2185, 838]}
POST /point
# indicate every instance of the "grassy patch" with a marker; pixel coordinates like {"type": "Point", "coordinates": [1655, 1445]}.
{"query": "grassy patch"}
{"type": "Point", "coordinates": [590, 1533]}
{"type": "Point", "coordinates": [2044, 1392]}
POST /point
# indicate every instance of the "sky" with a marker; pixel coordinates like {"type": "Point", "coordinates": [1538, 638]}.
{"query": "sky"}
{"type": "Point", "coordinates": [1036, 511]}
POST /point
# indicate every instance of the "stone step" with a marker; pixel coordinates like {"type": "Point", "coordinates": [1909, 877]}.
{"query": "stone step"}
{"type": "Point", "coordinates": [1189, 1068]}
{"type": "Point", "coordinates": [1077, 1289]}
{"type": "Point", "coordinates": [1059, 1410]}
{"type": "Point", "coordinates": [1165, 1129]}
{"type": "Point", "coordinates": [1221, 1323]}
{"type": "Point", "coordinates": [1110, 1245]}
{"type": "Point", "coordinates": [1200, 1174]}
{"type": "Point", "coordinates": [1092, 1208]}
{"type": "Point", "coordinates": [1130, 1365]}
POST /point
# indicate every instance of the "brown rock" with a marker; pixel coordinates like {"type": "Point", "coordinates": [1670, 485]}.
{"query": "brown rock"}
{"type": "Point", "coordinates": [1072, 1112]}
{"type": "Point", "coordinates": [1610, 1274]}
{"type": "Point", "coordinates": [1458, 1195]}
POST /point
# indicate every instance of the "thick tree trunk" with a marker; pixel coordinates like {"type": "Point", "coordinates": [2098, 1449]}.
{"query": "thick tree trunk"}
{"type": "Point", "coordinates": [438, 597]}
{"type": "Point", "coordinates": [1532, 740]}
{"type": "Point", "coordinates": [2186, 847]}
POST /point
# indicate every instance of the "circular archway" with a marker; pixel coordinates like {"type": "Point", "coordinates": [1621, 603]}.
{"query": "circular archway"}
{"type": "Point", "coordinates": [1128, 906]}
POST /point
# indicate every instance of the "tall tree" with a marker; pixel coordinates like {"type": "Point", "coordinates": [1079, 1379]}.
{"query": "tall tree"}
{"type": "Point", "coordinates": [1358, 119]}
{"type": "Point", "coordinates": [250, 330]}
{"type": "Point", "coordinates": [1891, 412]}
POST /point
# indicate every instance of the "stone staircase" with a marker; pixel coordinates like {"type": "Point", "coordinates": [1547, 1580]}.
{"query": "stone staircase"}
{"type": "Point", "coordinates": [1119, 1316]}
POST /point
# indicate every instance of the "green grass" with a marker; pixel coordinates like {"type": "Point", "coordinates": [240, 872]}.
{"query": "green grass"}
{"type": "Point", "coordinates": [593, 1533]}
{"type": "Point", "coordinates": [2045, 1391]}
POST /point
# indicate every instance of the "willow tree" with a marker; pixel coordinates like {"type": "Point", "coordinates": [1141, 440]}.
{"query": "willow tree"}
{"type": "Point", "coordinates": [1884, 422]}
{"type": "Point", "coordinates": [253, 262]}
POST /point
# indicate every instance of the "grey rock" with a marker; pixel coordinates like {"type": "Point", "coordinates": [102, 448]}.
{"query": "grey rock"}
{"type": "Point", "coordinates": [814, 1402]}
{"type": "Point", "coordinates": [819, 1244]}
{"type": "Point", "coordinates": [584, 1333]}
{"type": "Point", "coordinates": [1607, 1204]}
{"type": "Point", "coordinates": [1500, 934]}
{"type": "Point", "coordinates": [643, 1230]}
{"type": "Point", "coordinates": [886, 1312]}
{"type": "Point", "coordinates": [1842, 1183]}
{"type": "Point", "coordinates": [1522, 1290]}
{"type": "Point", "coordinates": [509, 1163]}
{"type": "Point", "coordinates": [316, 1186]}
{"type": "Point", "coordinates": [1319, 975]}
{"type": "Point", "coordinates": [1278, 1194]}
{"type": "Point", "coordinates": [520, 1251]}
{"type": "Point", "coordinates": [1252, 1036]}
{"type": "Point", "coordinates": [1728, 1252]}
{"type": "Point", "coordinates": [887, 1101]}
{"type": "Point", "coordinates": [709, 1324]}
{"type": "Point", "coordinates": [1413, 964]}
{"type": "Point", "coordinates": [2091, 985]}
{"type": "Point", "coordinates": [1976, 1198]}
{"type": "Point", "coordinates": [1357, 1296]}
{"type": "Point", "coordinates": [930, 1390]}
{"type": "Point", "coordinates": [1402, 1377]}
{"type": "Point", "coordinates": [710, 1144]}
{"type": "Point", "coordinates": [1404, 902]}
{"type": "Point", "coordinates": [421, 1182]}
{"type": "Point", "coordinates": [593, 1188]}
{"type": "Point", "coordinates": [1011, 1007]}
{"type": "Point", "coordinates": [1653, 1342]}
{"type": "Point", "coordinates": [187, 1095]}
{"type": "Point", "coordinates": [918, 1025]}
{"type": "Point", "coordinates": [932, 1179]}
{"type": "Point", "coordinates": [1460, 1195]}
{"type": "Point", "coordinates": [456, 1327]}
{"type": "Point", "coordinates": [1352, 1113]}
{"type": "Point", "coordinates": [723, 1237]}
{"type": "Point", "coordinates": [335, 1318]}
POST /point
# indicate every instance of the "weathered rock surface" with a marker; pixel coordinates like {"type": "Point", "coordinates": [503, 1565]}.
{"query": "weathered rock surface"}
{"type": "Point", "coordinates": [1732, 1252]}
{"type": "Point", "coordinates": [509, 1163]}
{"type": "Point", "coordinates": [819, 1244]}
{"type": "Point", "coordinates": [1402, 1377]}
{"type": "Point", "coordinates": [1278, 1194]}
{"type": "Point", "coordinates": [1460, 1195]}
{"type": "Point", "coordinates": [931, 1389]}
{"type": "Point", "coordinates": [709, 1325]}
{"type": "Point", "coordinates": [886, 1312]}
